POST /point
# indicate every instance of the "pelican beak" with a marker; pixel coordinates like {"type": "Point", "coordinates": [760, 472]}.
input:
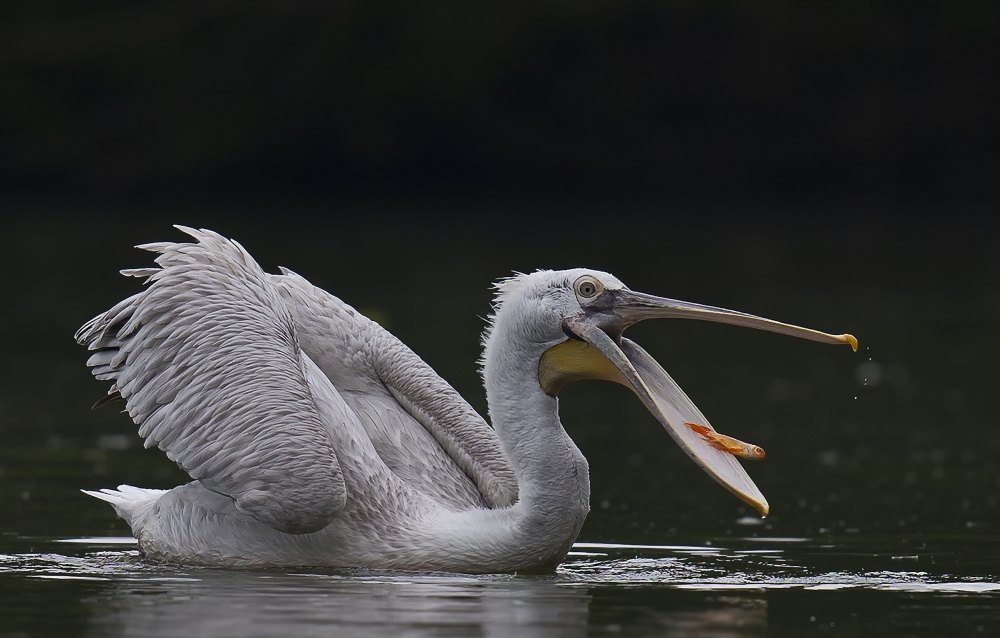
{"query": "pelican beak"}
{"type": "Point", "coordinates": [601, 352]}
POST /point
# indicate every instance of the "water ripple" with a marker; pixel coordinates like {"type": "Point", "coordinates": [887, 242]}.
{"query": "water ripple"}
{"type": "Point", "coordinates": [678, 566]}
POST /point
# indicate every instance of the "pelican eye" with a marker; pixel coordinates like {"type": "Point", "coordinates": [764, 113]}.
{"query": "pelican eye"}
{"type": "Point", "coordinates": [587, 287]}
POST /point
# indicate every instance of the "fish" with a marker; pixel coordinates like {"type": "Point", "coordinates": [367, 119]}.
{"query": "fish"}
{"type": "Point", "coordinates": [727, 443]}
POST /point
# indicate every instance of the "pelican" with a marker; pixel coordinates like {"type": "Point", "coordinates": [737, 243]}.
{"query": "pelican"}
{"type": "Point", "coordinates": [314, 437]}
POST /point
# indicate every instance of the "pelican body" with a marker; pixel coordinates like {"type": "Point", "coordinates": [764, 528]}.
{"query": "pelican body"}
{"type": "Point", "coordinates": [314, 437]}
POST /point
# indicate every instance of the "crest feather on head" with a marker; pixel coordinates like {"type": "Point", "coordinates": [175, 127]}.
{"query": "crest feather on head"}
{"type": "Point", "coordinates": [506, 288]}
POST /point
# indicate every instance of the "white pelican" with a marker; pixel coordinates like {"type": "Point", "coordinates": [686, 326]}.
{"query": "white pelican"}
{"type": "Point", "coordinates": [316, 438]}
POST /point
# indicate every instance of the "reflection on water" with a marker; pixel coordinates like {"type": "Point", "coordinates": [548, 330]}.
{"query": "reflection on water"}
{"type": "Point", "coordinates": [254, 604]}
{"type": "Point", "coordinates": [741, 589]}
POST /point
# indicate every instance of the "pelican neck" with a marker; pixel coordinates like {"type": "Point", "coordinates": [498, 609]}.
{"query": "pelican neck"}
{"type": "Point", "coordinates": [552, 474]}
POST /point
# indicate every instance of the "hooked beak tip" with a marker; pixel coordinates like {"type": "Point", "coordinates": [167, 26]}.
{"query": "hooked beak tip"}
{"type": "Point", "coordinates": [850, 339]}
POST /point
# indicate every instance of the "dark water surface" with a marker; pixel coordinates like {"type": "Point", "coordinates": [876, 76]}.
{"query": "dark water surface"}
{"type": "Point", "coordinates": [882, 469]}
{"type": "Point", "coordinates": [738, 587]}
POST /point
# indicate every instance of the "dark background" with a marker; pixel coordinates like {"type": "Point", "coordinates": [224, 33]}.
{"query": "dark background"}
{"type": "Point", "coordinates": [889, 103]}
{"type": "Point", "coordinates": [828, 165]}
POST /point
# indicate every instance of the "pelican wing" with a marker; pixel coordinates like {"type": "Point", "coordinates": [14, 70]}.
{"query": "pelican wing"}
{"type": "Point", "coordinates": [210, 368]}
{"type": "Point", "coordinates": [420, 426]}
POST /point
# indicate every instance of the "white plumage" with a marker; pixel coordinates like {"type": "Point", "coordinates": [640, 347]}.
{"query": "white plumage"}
{"type": "Point", "coordinates": [315, 437]}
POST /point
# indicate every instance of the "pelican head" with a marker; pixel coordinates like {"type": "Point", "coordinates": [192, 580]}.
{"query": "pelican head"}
{"type": "Point", "coordinates": [577, 317]}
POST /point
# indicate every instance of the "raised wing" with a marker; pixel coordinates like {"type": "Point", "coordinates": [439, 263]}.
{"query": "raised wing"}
{"type": "Point", "coordinates": [210, 368]}
{"type": "Point", "coordinates": [421, 427]}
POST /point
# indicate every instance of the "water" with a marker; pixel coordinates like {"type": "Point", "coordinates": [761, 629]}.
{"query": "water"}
{"type": "Point", "coordinates": [884, 506]}
{"type": "Point", "coordinates": [738, 587]}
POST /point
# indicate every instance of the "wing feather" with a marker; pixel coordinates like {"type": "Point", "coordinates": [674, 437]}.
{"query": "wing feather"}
{"type": "Point", "coordinates": [422, 428]}
{"type": "Point", "coordinates": [207, 359]}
